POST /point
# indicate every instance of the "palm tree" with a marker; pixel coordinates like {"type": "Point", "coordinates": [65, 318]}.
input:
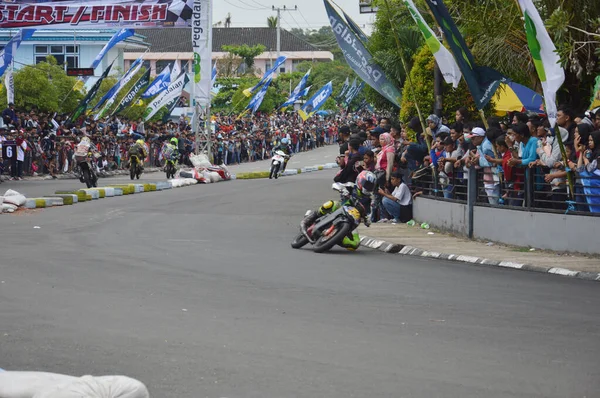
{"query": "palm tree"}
{"type": "Point", "coordinates": [272, 22]}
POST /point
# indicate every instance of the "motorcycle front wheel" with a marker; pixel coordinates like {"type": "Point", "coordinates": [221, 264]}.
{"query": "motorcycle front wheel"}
{"type": "Point", "coordinates": [274, 171]}
{"type": "Point", "coordinates": [132, 171]}
{"type": "Point", "coordinates": [324, 243]}
{"type": "Point", "coordinates": [299, 241]}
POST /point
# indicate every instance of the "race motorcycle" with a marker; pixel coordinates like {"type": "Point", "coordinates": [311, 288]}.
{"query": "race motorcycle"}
{"type": "Point", "coordinates": [331, 229]}
{"type": "Point", "coordinates": [86, 166]}
{"type": "Point", "coordinates": [171, 168]}
{"type": "Point", "coordinates": [135, 167]}
{"type": "Point", "coordinates": [277, 162]}
{"type": "Point", "coordinates": [171, 157]}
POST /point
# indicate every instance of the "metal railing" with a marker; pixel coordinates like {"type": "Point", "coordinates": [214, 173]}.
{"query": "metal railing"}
{"type": "Point", "coordinates": [528, 189]}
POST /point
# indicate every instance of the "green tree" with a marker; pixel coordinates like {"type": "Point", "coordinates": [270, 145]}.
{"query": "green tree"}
{"type": "Point", "coordinates": [384, 48]}
{"type": "Point", "coordinates": [228, 65]}
{"type": "Point", "coordinates": [247, 53]}
{"type": "Point", "coordinates": [494, 31]}
{"type": "Point", "coordinates": [46, 87]}
{"type": "Point", "coordinates": [421, 76]}
{"type": "Point", "coordinates": [106, 85]}
{"type": "Point", "coordinates": [272, 22]}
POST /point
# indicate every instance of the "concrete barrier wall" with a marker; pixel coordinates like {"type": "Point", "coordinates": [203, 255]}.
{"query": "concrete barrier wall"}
{"type": "Point", "coordinates": [515, 227]}
{"type": "Point", "coordinates": [447, 216]}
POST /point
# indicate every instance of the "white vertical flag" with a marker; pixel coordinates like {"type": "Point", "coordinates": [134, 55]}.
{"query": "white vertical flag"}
{"type": "Point", "coordinates": [202, 47]}
{"type": "Point", "coordinates": [175, 71]}
{"type": "Point", "coordinates": [9, 82]}
{"type": "Point", "coordinates": [443, 57]}
{"type": "Point", "coordinates": [545, 58]}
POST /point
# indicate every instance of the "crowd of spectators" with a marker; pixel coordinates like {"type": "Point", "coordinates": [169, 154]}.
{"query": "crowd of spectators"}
{"type": "Point", "coordinates": [517, 161]}
{"type": "Point", "coordinates": [45, 143]}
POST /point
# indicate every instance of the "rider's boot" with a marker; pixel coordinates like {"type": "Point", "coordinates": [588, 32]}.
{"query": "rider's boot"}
{"type": "Point", "coordinates": [308, 220]}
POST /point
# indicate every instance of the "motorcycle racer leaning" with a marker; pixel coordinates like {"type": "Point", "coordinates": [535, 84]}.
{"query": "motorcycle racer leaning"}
{"type": "Point", "coordinates": [363, 190]}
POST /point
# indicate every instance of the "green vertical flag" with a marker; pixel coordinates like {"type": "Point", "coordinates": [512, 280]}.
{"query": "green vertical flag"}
{"type": "Point", "coordinates": [446, 63]}
{"type": "Point", "coordinates": [482, 81]}
{"type": "Point", "coordinates": [545, 58]}
{"type": "Point", "coordinates": [82, 107]}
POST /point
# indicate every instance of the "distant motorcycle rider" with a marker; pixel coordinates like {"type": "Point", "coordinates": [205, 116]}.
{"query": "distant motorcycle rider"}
{"type": "Point", "coordinates": [139, 149]}
{"type": "Point", "coordinates": [285, 147]}
{"type": "Point", "coordinates": [173, 146]}
{"type": "Point", "coordinates": [363, 191]}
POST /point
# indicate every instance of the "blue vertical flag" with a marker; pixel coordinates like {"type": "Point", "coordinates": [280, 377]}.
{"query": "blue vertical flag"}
{"type": "Point", "coordinates": [317, 101]}
{"type": "Point", "coordinates": [356, 29]}
{"type": "Point", "coordinates": [354, 93]}
{"type": "Point", "coordinates": [134, 67]}
{"type": "Point", "coordinates": [214, 74]}
{"type": "Point", "coordinates": [268, 75]}
{"type": "Point", "coordinates": [6, 55]}
{"type": "Point", "coordinates": [258, 98]}
{"type": "Point", "coordinates": [296, 94]}
{"type": "Point", "coordinates": [117, 37]}
{"type": "Point", "coordinates": [160, 83]}
{"type": "Point", "coordinates": [359, 58]}
{"type": "Point", "coordinates": [296, 97]}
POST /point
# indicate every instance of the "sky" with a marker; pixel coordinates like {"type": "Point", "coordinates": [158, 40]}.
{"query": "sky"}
{"type": "Point", "coordinates": [310, 14]}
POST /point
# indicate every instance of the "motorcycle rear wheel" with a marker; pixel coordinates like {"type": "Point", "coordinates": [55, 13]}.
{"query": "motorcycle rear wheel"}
{"type": "Point", "coordinates": [325, 243]}
{"type": "Point", "coordinates": [299, 241]}
{"type": "Point", "coordinates": [87, 178]}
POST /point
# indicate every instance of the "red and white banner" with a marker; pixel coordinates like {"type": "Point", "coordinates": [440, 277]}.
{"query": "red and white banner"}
{"type": "Point", "coordinates": [96, 13]}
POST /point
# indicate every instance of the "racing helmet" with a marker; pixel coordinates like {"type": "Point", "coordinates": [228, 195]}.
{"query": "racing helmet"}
{"type": "Point", "coordinates": [366, 182]}
{"type": "Point", "coordinates": [140, 142]}
{"type": "Point", "coordinates": [86, 140]}
{"type": "Point", "coordinates": [174, 141]}
{"type": "Point", "coordinates": [285, 141]}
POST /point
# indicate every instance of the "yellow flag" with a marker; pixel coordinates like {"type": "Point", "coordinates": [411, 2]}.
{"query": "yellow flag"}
{"type": "Point", "coordinates": [78, 85]}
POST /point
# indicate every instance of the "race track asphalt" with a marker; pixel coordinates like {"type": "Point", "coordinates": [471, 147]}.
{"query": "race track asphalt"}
{"type": "Point", "coordinates": [197, 293]}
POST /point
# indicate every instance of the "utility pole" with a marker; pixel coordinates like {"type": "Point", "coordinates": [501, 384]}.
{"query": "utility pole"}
{"type": "Point", "coordinates": [279, 9]}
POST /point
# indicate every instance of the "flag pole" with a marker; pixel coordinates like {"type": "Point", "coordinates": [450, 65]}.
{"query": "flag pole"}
{"type": "Point", "coordinates": [412, 89]}
{"type": "Point", "coordinates": [558, 137]}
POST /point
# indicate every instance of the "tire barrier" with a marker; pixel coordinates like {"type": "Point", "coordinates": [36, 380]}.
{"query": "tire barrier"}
{"type": "Point", "coordinates": [61, 198]}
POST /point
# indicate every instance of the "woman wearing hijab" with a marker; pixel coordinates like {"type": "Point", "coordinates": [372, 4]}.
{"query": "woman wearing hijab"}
{"type": "Point", "coordinates": [385, 157]}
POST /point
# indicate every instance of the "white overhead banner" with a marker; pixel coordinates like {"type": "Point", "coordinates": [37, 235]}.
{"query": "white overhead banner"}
{"type": "Point", "coordinates": [71, 14]}
{"type": "Point", "coordinates": [202, 48]}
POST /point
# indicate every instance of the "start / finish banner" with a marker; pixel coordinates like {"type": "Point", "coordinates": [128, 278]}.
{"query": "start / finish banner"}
{"type": "Point", "coordinates": [86, 14]}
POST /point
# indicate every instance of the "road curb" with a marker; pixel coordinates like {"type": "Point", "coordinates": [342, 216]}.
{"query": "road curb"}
{"type": "Point", "coordinates": [396, 248]}
{"type": "Point", "coordinates": [254, 175]}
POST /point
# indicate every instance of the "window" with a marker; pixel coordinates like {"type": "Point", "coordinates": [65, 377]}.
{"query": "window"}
{"type": "Point", "coordinates": [65, 55]}
{"type": "Point", "coordinates": [295, 63]}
